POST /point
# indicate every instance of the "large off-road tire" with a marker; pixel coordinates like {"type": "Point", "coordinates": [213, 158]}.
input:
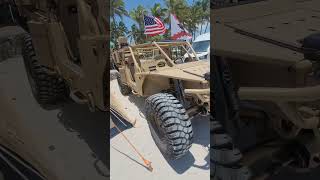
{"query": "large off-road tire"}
{"type": "Point", "coordinates": [124, 89]}
{"type": "Point", "coordinates": [47, 86]}
{"type": "Point", "coordinates": [169, 124]}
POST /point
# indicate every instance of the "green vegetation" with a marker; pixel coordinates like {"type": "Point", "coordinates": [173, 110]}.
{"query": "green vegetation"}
{"type": "Point", "coordinates": [192, 16]}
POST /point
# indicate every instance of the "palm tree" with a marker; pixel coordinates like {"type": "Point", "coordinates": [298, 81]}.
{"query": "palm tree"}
{"type": "Point", "coordinates": [117, 9]}
{"type": "Point", "coordinates": [177, 7]}
{"type": "Point", "coordinates": [197, 14]}
{"type": "Point", "coordinates": [137, 15]}
{"type": "Point", "coordinates": [117, 29]}
{"type": "Point", "coordinates": [205, 6]}
{"type": "Point", "coordinates": [132, 33]}
{"type": "Point", "coordinates": [181, 9]}
{"type": "Point", "coordinates": [138, 31]}
{"type": "Point", "coordinates": [160, 12]}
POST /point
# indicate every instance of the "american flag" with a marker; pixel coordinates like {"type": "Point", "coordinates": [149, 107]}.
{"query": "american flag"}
{"type": "Point", "coordinates": [153, 26]}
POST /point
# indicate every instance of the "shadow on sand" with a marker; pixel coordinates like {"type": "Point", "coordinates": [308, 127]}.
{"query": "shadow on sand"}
{"type": "Point", "coordinates": [201, 137]}
{"type": "Point", "coordinates": [92, 127]}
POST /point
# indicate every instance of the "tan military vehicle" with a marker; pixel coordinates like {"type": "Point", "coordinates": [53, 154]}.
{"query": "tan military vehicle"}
{"type": "Point", "coordinates": [65, 53]}
{"type": "Point", "coordinates": [176, 87]}
{"type": "Point", "coordinates": [266, 88]}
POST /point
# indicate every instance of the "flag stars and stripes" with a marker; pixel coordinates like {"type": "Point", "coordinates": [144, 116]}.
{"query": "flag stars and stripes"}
{"type": "Point", "coordinates": [153, 26]}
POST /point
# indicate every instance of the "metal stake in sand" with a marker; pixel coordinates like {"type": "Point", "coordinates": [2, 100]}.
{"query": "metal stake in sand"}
{"type": "Point", "coordinates": [145, 161]}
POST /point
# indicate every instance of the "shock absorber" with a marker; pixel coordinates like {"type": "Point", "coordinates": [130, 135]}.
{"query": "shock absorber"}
{"type": "Point", "coordinates": [225, 157]}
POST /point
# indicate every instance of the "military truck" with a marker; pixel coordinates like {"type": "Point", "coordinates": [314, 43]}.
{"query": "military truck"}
{"type": "Point", "coordinates": [65, 54]}
{"type": "Point", "coordinates": [266, 88]}
{"type": "Point", "coordinates": [176, 87]}
{"type": "Point", "coordinates": [66, 50]}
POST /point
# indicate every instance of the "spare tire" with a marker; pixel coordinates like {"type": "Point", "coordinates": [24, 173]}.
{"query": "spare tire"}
{"type": "Point", "coordinates": [169, 124]}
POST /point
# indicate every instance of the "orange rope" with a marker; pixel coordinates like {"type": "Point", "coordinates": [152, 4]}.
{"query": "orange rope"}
{"type": "Point", "coordinates": [145, 161]}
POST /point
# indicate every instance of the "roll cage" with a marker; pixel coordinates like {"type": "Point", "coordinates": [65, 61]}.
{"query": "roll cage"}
{"type": "Point", "coordinates": [159, 50]}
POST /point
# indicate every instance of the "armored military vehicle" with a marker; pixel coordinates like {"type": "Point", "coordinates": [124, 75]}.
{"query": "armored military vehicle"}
{"type": "Point", "coordinates": [176, 87]}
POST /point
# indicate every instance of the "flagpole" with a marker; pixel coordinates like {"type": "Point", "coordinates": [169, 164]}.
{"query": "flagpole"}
{"type": "Point", "coordinates": [144, 28]}
{"type": "Point", "coordinates": [170, 25]}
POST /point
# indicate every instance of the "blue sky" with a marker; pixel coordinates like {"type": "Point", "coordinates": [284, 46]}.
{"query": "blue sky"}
{"type": "Point", "coordinates": [131, 4]}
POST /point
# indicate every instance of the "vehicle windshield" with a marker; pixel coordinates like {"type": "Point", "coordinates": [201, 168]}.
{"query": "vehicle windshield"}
{"type": "Point", "coordinates": [201, 46]}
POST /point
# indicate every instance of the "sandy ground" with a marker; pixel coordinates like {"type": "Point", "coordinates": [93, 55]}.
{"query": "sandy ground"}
{"type": "Point", "coordinates": [68, 142]}
{"type": "Point", "coordinates": [125, 164]}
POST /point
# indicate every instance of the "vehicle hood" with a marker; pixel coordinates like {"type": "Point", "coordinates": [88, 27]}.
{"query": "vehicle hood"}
{"type": "Point", "coordinates": [192, 71]}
